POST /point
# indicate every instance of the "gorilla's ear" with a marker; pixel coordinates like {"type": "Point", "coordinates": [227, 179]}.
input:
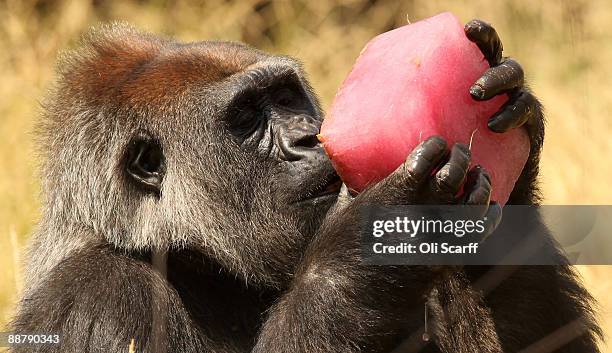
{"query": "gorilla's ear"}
{"type": "Point", "coordinates": [146, 164]}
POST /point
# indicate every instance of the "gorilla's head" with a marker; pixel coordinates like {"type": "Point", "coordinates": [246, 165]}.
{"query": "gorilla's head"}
{"type": "Point", "coordinates": [155, 144]}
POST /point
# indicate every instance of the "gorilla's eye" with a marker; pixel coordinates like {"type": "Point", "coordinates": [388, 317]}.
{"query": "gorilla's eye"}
{"type": "Point", "coordinates": [289, 97]}
{"type": "Point", "coordinates": [285, 97]}
{"type": "Point", "coordinates": [246, 118]}
{"type": "Point", "coordinates": [145, 163]}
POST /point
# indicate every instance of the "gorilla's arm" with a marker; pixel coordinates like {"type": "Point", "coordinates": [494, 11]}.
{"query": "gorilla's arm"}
{"type": "Point", "coordinates": [553, 308]}
{"type": "Point", "coordinates": [337, 304]}
{"type": "Point", "coordinates": [99, 301]}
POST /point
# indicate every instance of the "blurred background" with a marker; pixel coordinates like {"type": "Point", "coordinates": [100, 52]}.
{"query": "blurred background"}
{"type": "Point", "coordinates": [564, 46]}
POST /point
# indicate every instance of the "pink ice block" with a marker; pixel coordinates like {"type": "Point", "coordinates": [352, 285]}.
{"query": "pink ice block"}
{"type": "Point", "coordinates": [409, 84]}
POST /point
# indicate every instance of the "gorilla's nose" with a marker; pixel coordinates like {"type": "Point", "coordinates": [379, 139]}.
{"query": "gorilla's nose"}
{"type": "Point", "coordinates": [297, 138]}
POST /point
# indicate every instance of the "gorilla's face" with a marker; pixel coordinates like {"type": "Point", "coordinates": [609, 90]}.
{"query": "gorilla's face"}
{"type": "Point", "coordinates": [243, 146]}
{"type": "Point", "coordinates": [269, 113]}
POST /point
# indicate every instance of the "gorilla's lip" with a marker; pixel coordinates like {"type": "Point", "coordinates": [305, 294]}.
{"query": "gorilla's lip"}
{"type": "Point", "coordinates": [329, 185]}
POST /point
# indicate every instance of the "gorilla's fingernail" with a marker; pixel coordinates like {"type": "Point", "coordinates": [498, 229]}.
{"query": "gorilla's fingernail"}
{"type": "Point", "coordinates": [437, 141]}
{"type": "Point", "coordinates": [493, 124]}
{"type": "Point", "coordinates": [477, 91]}
{"type": "Point", "coordinates": [463, 148]}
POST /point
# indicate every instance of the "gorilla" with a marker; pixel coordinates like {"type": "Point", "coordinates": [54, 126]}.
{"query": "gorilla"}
{"type": "Point", "coordinates": [188, 207]}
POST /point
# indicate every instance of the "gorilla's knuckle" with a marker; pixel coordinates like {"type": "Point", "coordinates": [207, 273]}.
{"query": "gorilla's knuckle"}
{"type": "Point", "coordinates": [409, 179]}
{"type": "Point", "coordinates": [446, 184]}
{"type": "Point", "coordinates": [514, 67]}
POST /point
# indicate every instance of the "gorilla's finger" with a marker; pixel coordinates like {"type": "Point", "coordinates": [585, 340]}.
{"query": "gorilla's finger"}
{"type": "Point", "coordinates": [486, 38]}
{"type": "Point", "coordinates": [492, 219]}
{"type": "Point", "coordinates": [419, 165]}
{"type": "Point", "coordinates": [477, 192]}
{"type": "Point", "coordinates": [505, 77]}
{"type": "Point", "coordinates": [478, 187]}
{"type": "Point", "coordinates": [522, 108]}
{"type": "Point", "coordinates": [403, 184]}
{"type": "Point", "coordinates": [422, 160]}
{"type": "Point", "coordinates": [448, 180]}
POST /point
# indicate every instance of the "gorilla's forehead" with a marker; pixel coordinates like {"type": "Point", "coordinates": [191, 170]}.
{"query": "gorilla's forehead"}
{"type": "Point", "coordinates": [120, 65]}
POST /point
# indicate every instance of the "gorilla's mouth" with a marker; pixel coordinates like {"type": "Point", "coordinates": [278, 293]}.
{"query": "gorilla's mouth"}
{"type": "Point", "coordinates": [328, 187]}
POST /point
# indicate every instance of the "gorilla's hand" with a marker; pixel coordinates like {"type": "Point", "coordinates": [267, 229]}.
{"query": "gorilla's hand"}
{"type": "Point", "coordinates": [430, 175]}
{"type": "Point", "coordinates": [522, 109]}
{"type": "Point", "coordinates": [418, 181]}
{"type": "Point", "coordinates": [505, 76]}
{"type": "Point", "coordinates": [414, 182]}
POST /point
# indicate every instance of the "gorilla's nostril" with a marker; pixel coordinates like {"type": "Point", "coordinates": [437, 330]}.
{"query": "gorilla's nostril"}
{"type": "Point", "coordinates": [298, 144]}
{"type": "Point", "coordinates": [296, 138]}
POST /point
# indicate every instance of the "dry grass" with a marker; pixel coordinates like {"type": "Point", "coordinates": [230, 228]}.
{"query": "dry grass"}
{"type": "Point", "coordinates": [565, 46]}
